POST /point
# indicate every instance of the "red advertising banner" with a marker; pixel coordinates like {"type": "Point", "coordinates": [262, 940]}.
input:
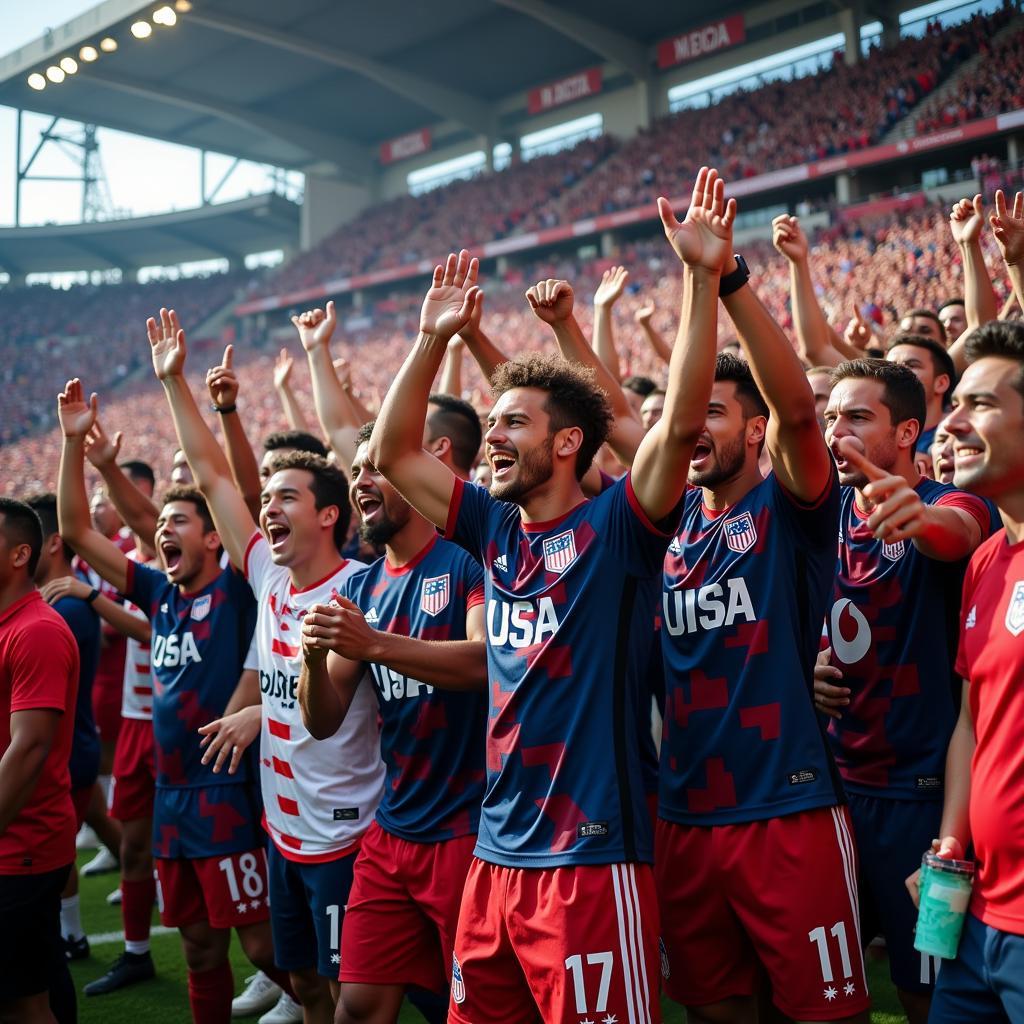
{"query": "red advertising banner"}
{"type": "Point", "coordinates": [405, 146]}
{"type": "Point", "coordinates": [565, 90]}
{"type": "Point", "coordinates": [700, 42]}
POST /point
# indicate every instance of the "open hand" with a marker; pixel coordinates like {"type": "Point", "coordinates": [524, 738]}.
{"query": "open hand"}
{"type": "Point", "coordinates": [704, 239]}
{"type": "Point", "coordinates": [65, 586]}
{"type": "Point", "coordinates": [167, 340]}
{"type": "Point", "coordinates": [316, 327]}
{"type": "Point", "coordinates": [228, 738]}
{"type": "Point", "coordinates": [222, 381]}
{"type": "Point", "coordinates": [448, 305]}
{"type": "Point", "coordinates": [613, 281]}
{"type": "Point", "coordinates": [100, 450]}
{"type": "Point", "coordinates": [283, 366]}
{"type": "Point", "coordinates": [551, 300]}
{"type": "Point", "coordinates": [75, 414]}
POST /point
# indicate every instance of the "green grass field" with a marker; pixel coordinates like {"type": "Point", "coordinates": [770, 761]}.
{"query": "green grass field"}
{"type": "Point", "coordinates": [165, 1000]}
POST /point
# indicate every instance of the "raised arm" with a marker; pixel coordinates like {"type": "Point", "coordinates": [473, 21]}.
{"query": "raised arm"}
{"type": "Point", "coordinates": [703, 242]}
{"type": "Point", "coordinates": [965, 223]}
{"type": "Point", "coordinates": [333, 409]}
{"type": "Point", "coordinates": [608, 293]}
{"type": "Point", "coordinates": [137, 510]}
{"type": "Point", "coordinates": [293, 414]}
{"type": "Point", "coordinates": [644, 316]}
{"type": "Point", "coordinates": [1008, 229]}
{"type": "Point", "coordinates": [799, 455]}
{"type": "Point", "coordinates": [222, 383]}
{"type": "Point", "coordinates": [210, 468]}
{"type": "Point", "coordinates": [114, 614]}
{"type": "Point", "coordinates": [451, 374]}
{"type": "Point", "coordinates": [360, 412]}
{"type": "Point", "coordinates": [396, 445]}
{"type": "Point", "coordinates": [487, 355]}
{"type": "Point", "coordinates": [552, 302]}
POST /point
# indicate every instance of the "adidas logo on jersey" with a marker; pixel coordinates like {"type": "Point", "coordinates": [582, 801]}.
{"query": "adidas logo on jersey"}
{"type": "Point", "coordinates": [372, 617]}
{"type": "Point", "coordinates": [972, 618]}
{"type": "Point", "coordinates": [501, 563]}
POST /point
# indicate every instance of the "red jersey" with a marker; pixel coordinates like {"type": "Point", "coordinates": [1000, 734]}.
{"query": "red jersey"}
{"type": "Point", "coordinates": [991, 657]}
{"type": "Point", "coordinates": [39, 669]}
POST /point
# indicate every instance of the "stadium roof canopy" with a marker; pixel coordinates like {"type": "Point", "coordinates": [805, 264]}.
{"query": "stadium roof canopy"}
{"type": "Point", "coordinates": [225, 230]}
{"type": "Point", "coordinates": [318, 85]}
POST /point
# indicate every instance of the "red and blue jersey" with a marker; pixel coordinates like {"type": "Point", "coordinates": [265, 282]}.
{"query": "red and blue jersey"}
{"type": "Point", "coordinates": [199, 643]}
{"type": "Point", "coordinates": [570, 606]}
{"type": "Point", "coordinates": [893, 628]}
{"type": "Point", "coordinates": [745, 593]}
{"type": "Point", "coordinates": [432, 740]}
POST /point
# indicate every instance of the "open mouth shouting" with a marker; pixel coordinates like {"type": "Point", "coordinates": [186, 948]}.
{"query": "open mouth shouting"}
{"type": "Point", "coordinates": [701, 454]}
{"type": "Point", "coordinates": [502, 463]}
{"type": "Point", "coordinates": [277, 534]}
{"type": "Point", "coordinates": [369, 504]}
{"type": "Point", "coordinates": [171, 553]}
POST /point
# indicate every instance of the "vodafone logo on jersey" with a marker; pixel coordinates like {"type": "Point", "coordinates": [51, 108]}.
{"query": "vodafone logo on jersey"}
{"type": "Point", "coordinates": [1015, 610]}
{"type": "Point", "coordinates": [849, 649]}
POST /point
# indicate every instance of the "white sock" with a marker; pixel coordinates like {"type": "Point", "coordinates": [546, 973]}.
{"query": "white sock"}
{"type": "Point", "coordinates": [70, 920]}
{"type": "Point", "coordinates": [137, 947]}
{"type": "Point", "coordinates": [104, 781]}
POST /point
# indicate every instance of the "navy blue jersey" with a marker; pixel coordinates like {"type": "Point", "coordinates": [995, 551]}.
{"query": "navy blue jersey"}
{"type": "Point", "coordinates": [893, 628]}
{"type": "Point", "coordinates": [199, 644]}
{"type": "Point", "coordinates": [432, 740]}
{"type": "Point", "coordinates": [570, 607]}
{"type": "Point", "coordinates": [745, 593]}
{"type": "Point", "coordinates": [84, 623]}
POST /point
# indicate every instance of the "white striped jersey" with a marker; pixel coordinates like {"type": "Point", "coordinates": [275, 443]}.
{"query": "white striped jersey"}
{"type": "Point", "coordinates": [319, 795]}
{"type": "Point", "coordinates": [137, 695]}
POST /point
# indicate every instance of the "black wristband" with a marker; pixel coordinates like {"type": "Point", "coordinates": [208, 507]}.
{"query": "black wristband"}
{"type": "Point", "coordinates": [735, 280]}
{"type": "Point", "coordinates": [223, 410]}
{"type": "Point", "coordinates": [93, 594]}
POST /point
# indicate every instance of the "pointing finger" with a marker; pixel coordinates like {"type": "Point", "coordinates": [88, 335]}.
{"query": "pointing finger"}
{"type": "Point", "coordinates": [853, 454]}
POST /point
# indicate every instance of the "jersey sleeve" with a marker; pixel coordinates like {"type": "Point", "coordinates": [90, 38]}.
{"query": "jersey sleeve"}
{"type": "Point", "coordinates": [471, 518]}
{"type": "Point", "coordinates": [817, 521]}
{"type": "Point", "coordinates": [472, 582]}
{"type": "Point", "coordinates": [42, 661]}
{"type": "Point", "coordinates": [971, 504]}
{"type": "Point", "coordinates": [625, 528]}
{"type": "Point", "coordinates": [143, 585]}
{"type": "Point", "coordinates": [961, 665]}
{"type": "Point", "coordinates": [257, 563]}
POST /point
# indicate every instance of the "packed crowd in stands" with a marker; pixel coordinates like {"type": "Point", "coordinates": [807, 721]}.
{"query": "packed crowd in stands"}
{"type": "Point", "coordinates": [90, 326]}
{"type": "Point", "coordinates": [881, 266]}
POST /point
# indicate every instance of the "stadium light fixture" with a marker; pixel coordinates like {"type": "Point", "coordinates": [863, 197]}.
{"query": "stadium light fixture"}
{"type": "Point", "coordinates": [142, 29]}
{"type": "Point", "coordinates": [182, 6]}
{"type": "Point", "coordinates": [55, 74]}
{"type": "Point", "coordinates": [165, 16]}
{"type": "Point", "coordinates": [88, 54]}
{"type": "Point", "coordinates": [108, 44]}
{"type": "Point", "coordinates": [36, 81]}
{"type": "Point", "coordinates": [69, 65]}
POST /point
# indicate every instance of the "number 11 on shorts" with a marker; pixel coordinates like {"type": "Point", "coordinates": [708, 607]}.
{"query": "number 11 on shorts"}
{"type": "Point", "coordinates": [819, 937]}
{"type": "Point", "coordinates": [574, 964]}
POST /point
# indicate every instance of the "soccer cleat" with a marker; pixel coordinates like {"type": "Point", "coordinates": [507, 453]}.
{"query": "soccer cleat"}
{"type": "Point", "coordinates": [287, 1011]}
{"type": "Point", "coordinates": [87, 839]}
{"type": "Point", "coordinates": [115, 898]}
{"type": "Point", "coordinates": [101, 864]}
{"type": "Point", "coordinates": [128, 969]}
{"type": "Point", "coordinates": [259, 995]}
{"type": "Point", "coordinates": [76, 949]}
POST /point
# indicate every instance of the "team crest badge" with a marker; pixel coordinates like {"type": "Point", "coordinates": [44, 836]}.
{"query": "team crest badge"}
{"type": "Point", "coordinates": [458, 985]}
{"type": "Point", "coordinates": [560, 552]}
{"type": "Point", "coordinates": [894, 552]}
{"type": "Point", "coordinates": [201, 607]}
{"type": "Point", "coordinates": [435, 594]}
{"type": "Point", "coordinates": [1015, 610]}
{"type": "Point", "coordinates": [740, 533]}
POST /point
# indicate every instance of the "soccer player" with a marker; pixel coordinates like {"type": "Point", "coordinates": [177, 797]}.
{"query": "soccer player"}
{"type": "Point", "coordinates": [38, 681]}
{"type": "Point", "coordinates": [558, 918]}
{"type": "Point", "coordinates": [755, 859]}
{"type": "Point", "coordinates": [319, 797]}
{"type": "Point", "coordinates": [932, 366]}
{"type": "Point", "coordinates": [416, 616]}
{"type": "Point", "coordinates": [985, 760]}
{"type": "Point", "coordinates": [903, 545]}
{"type": "Point", "coordinates": [206, 836]}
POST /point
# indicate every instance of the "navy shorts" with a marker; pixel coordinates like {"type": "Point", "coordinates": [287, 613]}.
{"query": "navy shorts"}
{"type": "Point", "coordinates": [891, 837]}
{"type": "Point", "coordinates": [985, 983]}
{"type": "Point", "coordinates": [307, 907]}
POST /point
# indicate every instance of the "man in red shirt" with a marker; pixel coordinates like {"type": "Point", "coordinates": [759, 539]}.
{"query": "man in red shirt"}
{"type": "Point", "coordinates": [985, 761]}
{"type": "Point", "coordinates": [38, 687]}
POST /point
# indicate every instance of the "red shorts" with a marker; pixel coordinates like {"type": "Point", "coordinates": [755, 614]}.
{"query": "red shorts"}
{"type": "Point", "coordinates": [80, 799]}
{"type": "Point", "coordinates": [403, 909]}
{"type": "Point", "coordinates": [556, 945]}
{"type": "Point", "coordinates": [228, 891]}
{"type": "Point", "coordinates": [106, 709]}
{"type": "Point", "coordinates": [780, 892]}
{"type": "Point", "coordinates": [134, 775]}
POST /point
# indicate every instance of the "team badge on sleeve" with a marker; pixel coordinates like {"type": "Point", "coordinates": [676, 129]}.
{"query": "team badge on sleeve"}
{"type": "Point", "coordinates": [559, 552]}
{"type": "Point", "coordinates": [201, 607]}
{"type": "Point", "coordinates": [740, 533]}
{"type": "Point", "coordinates": [435, 594]}
{"type": "Point", "coordinates": [458, 986]}
{"type": "Point", "coordinates": [1015, 610]}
